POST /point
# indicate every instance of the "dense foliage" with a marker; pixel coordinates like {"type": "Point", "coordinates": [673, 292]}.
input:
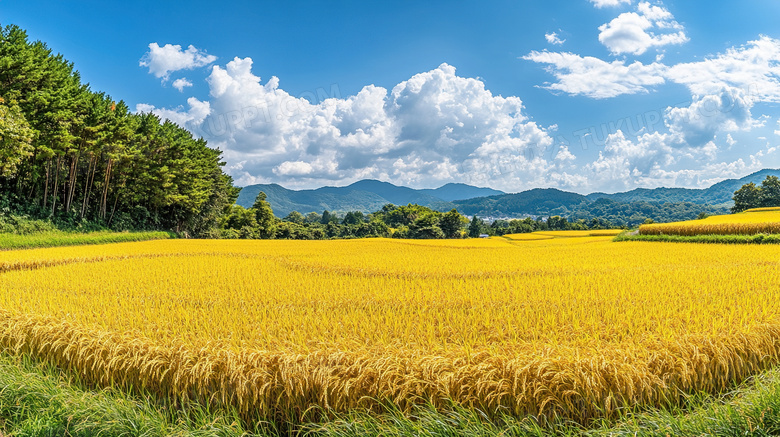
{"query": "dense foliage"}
{"type": "Point", "coordinates": [753, 196]}
{"type": "Point", "coordinates": [76, 156]}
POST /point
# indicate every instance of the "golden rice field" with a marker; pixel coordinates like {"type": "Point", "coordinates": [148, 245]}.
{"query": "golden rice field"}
{"type": "Point", "coordinates": [578, 327]}
{"type": "Point", "coordinates": [750, 222]}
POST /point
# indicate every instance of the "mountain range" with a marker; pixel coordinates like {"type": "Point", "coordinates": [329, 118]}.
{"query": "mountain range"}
{"type": "Point", "coordinates": [370, 195]}
{"type": "Point", "coordinates": [366, 196]}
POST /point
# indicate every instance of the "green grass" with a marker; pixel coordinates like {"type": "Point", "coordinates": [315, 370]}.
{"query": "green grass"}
{"type": "Point", "coordinates": [62, 238]}
{"type": "Point", "coordinates": [712, 239]}
{"type": "Point", "coordinates": [40, 400]}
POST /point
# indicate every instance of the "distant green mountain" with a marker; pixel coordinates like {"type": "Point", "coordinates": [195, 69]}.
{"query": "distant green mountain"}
{"type": "Point", "coordinates": [719, 194]}
{"type": "Point", "coordinates": [539, 201]}
{"type": "Point", "coordinates": [366, 196]}
{"type": "Point", "coordinates": [630, 207]}
{"type": "Point", "coordinates": [395, 194]}
{"type": "Point", "coordinates": [451, 192]}
{"type": "Point", "coordinates": [284, 201]}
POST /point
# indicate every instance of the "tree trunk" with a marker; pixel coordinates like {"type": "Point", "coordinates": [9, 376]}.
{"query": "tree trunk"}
{"type": "Point", "coordinates": [72, 176]}
{"type": "Point", "coordinates": [104, 198]}
{"type": "Point", "coordinates": [56, 185]}
{"type": "Point", "coordinates": [46, 185]}
{"type": "Point", "coordinates": [116, 200]}
{"type": "Point", "coordinates": [88, 184]}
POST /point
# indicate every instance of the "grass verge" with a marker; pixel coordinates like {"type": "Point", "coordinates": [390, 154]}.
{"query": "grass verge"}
{"type": "Point", "coordinates": [61, 238]}
{"type": "Point", "coordinates": [713, 239]}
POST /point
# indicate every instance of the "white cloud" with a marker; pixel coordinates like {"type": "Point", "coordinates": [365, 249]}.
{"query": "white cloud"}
{"type": "Point", "coordinates": [624, 164]}
{"type": "Point", "coordinates": [553, 38]}
{"type": "Point", "coordinates": [438, 127]}
{"type": "Point", "coordinates": [777, 132]}
{"type": "Point", "coordinates": [196, 114]}
{"type": "Point", "coordinates": [730, 140]}
{"type": "Point", "coordinates": [181, 83]}
{"type": "Point", "coordinates": [608, 3]}
{"type": "Point", "coordinates": [162, 61]}
{"type": "Point", "coordinates": [754, 68]}
{"type": "Point", "coordinates": [696, 125]}
{"type": "Point", "coordinates": [649, 161]}
{"type": "Point", "coordinates": [293, 168]}
{"type": "Point", "coordinates": [433, 128]}
{"type": "Point", "coordinates": [595, 78]}
{"type": "Point", "coordinates": [635, 32]}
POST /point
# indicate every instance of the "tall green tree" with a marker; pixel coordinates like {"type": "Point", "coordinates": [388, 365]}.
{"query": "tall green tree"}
{"type": "Point", "coordinates": [266, 221]}
{"type": "Point", "coordinates": [770, 191]}
{"type": "Point", "coordinates": [451, 224]}
{"type": "Point", "coordinates": [748, 196]}
{"type": "Point", "coordinates": [16, 139]}
{"type": "Point", "coordinates": [475, 227]}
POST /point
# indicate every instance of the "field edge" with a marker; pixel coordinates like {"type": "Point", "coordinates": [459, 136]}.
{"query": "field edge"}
{"type": "Point", "coordinates": [40, 399]}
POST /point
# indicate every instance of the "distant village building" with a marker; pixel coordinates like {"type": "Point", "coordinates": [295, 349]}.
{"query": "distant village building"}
{"type": "Point", "coordinates": [484, 236]}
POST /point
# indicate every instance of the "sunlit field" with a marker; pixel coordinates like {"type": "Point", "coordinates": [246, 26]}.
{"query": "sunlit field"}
{"type": "Point", "coordinates": [750, 222]}
{"type": "Point", "coordinates": [575, 327]}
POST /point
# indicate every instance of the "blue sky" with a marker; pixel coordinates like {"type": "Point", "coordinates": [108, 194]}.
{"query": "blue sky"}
{"type": "Point", "coordinates": [582, 95]}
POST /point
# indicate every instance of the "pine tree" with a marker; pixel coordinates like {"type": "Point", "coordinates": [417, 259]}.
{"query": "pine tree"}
{"type": "Point", "coordinates": [475, 228]}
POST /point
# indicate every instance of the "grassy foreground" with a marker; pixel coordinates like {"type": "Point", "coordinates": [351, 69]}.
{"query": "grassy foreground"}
{"type": "Point", "coordinates": [40, 400]}
{"type": "Point", "coordinates": [711, 239]}
{"type": "Point", "coordinates": [61, 238]}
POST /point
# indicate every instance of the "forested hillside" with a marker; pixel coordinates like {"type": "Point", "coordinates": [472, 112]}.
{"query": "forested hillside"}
{"type": "Point", "coordinates": [77, 156]}
{"type": "Point", "coordinates": [719, 194]}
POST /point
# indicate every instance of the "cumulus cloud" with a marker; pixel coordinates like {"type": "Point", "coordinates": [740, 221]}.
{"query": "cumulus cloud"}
{"type": "Point", "coordinates": [553, 38]}
{"type": "Point", "coordinates": [595, 78]}
{"type": "Point", "coordinates": [624, 164]}
{"type": "Point", "coordinates": [433, 128]}
{"type": "Point", "coordinates": [162, 61]}
{"type": "Point", "coordinates": [439, 127]}
{"type": "Point", "coordinates": [608, 3]}
{"type": "Point", "coordinates": [636, 32]}
{"type": "Point", "coordinates": [181, 83]}
{"type": "Point", "coordinates": [697, 124]}
{"type": "Point", "coordinates": [196, 114]}
{"type": "Point", "coordinates": [649, 161]}
{"type": "Point", "coordinates": [754, 68]}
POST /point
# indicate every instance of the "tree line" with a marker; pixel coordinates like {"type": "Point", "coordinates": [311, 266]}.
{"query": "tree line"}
{"type": "Point", "coordinates": [410, 221]}
{"type": "Point", "coordinates": [78, 157]}
{"type": "Point", "coordinates": [393, 221]}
